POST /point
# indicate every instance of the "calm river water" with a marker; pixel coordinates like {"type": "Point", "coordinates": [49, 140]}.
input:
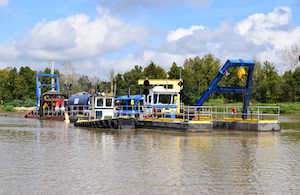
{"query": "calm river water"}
{"type": "Point", "coordinates": [46, 157]}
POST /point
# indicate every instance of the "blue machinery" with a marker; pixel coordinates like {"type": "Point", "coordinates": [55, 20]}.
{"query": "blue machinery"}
{"type": "Point", "coordinates": [38, 85]}
{"type": "Point", "coordinates": [128, 106]}
{"type": "Point", "coordinates": [214, 88]}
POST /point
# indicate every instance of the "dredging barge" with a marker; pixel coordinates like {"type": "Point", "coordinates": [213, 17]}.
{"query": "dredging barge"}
{"type": "Point", "coordinates": [206, 118]}
{"type": "Point", "coordinates": [198, 118]}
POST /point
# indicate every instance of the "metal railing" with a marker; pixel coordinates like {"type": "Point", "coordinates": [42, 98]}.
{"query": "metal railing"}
{"type": "Point", "coordinates": [75, 110]}
{"type": "Point", "coordinates": [254, 113]}
{"type": "Point", "coordinates": [129, 111]}
{"type": "Point", "coordinates": [184, 113]}
{"type": "Point", "coordinates": [71, 110]}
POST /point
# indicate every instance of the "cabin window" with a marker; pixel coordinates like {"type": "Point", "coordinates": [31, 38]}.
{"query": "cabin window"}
{"type": "Point", "coordinates": [100, 102]}
{"type": "Point", "coordinates": [108, 102]}
{"type": "Point", "coordinates": [174, 99]}
{"type": "Point", "coordinates": [164, 99]}
{"type": "Point", "coordinates": [149, 99]}
{"type": "Point", "coordinates": [99, 114]}
{"type": "Point", "coordinates": [155, 99]}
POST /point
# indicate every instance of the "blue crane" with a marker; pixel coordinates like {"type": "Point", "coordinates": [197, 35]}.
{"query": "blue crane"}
{"type": "Point", "coordinates": [39, 85]}
{"type": "Point", "coordinates": [214, 88]}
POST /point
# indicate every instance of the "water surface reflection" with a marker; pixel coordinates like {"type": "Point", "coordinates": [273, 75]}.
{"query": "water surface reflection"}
{"type": "Point", "coordinates": [43, 157]}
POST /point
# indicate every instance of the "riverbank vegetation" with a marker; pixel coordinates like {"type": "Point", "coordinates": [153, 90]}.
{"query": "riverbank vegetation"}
{"type": "Point", "coordinates": [269, 88]}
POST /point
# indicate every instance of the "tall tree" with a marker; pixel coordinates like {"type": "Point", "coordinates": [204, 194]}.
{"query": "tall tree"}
{"type": "Point", "coordinates": [154, 72]}
{"type": "Point", "coordinates": [271, 89]}
{"type": "Point", "coordinates": [30, 82]}
{"type": "Point", "coordinates": [12, 75]}
{"type": "Point", "coordinates": [121, 85]}
{"type": "Point", "coordinates": [198, 73]}
{"type": "Point", "coordinates": [131, 78]}
{"type": "Point", "coordinates": [69, 76]}
{"type": "Point", "coordinates": [85, 83]}
{"type": "Point", "coordinates": [296, 84]}
{"type": "Point", "coordinates": [174, 72]}
{"type": "Point", "coordinates": [291, 55]}
{"type": "Point", "coordinates": [20, 87]}
{"type": "Point", "coordinates": [258, 81]}
{"type": "Point", "coordinates": [6, 93]}
{"type": "Point", "coordinates": [95, 81]}
{"type": "Point", "coordinates": [288, 93]}
{"type": "Point", "coordinates": [111, 76]}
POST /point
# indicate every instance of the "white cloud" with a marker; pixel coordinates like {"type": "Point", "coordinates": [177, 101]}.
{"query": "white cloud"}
{"type": "Point", "coordinates": [273, 27]}
{"type": "Point", "coordinates": [7, 52]}
{"type": "Point", "coordinates": [3, 2]}
{"type": "Point", "coordinates": [175, 35]}
{"type": "Point", "coordinates": [201, 40]}
{"type": "Point", "coordinates": [262, 35]}
{"type": "Point", "coordinates": [164, 60]}
{"type": "Point", "coordinates": [86, 43]}
{"type": "Point", "coordinates": [76, 39]}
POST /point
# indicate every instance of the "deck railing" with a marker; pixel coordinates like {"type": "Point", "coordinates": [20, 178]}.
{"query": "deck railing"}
{"type": "Point", "coordinates": [71, 110]}
{"type": "Point", "coordinates": [192, 113]}
{"type": "Point", "coordinates": [185, 113]}
{"type": "Point", "coordinates": [254, 113]}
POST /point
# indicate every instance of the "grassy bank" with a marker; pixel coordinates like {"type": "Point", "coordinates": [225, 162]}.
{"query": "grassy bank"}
{"type": "Point", "coordinates": [17, 105]}
{"type": "Point", "coordinates": [285, 107]}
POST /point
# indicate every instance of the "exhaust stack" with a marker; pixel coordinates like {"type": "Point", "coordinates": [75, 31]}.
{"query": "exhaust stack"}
{"type": "Point", "coordinates": [52, 78]}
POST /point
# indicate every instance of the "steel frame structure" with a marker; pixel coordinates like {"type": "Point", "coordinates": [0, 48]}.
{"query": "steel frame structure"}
{"type": "Point", "coordinates": [38, 85]}
{"type": "Point", "coordinates": [215, 88]}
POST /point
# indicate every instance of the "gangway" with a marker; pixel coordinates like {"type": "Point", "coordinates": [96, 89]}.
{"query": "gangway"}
{"type": "Point", "coordinates": [215, 88]}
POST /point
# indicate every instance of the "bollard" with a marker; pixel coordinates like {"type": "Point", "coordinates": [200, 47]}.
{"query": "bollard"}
{"type": "Point", "coordinates": [67, 120]}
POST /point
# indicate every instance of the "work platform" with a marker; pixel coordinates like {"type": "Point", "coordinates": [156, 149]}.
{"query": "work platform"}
{"type": "Point", "coordinates": [197, 119]}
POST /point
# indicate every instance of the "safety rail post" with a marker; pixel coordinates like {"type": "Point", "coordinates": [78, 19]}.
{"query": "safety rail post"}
{"type": "Point", "coordinates": [161, 114]}
{"type": "Point", "coordinates": [278, 114]}
{"type": "Point", "coordinates": [152, 113]}
{"type": "Point", "coordinates": [174, 115]}
{"type": "Point", "coordinates": [183, 113]}
{"type": "Point", "coordinates": [258, 115]}
{"type": "Point", "coordinates": [188, 118]}
{"type": "Point", "coordinates": [239, 113]}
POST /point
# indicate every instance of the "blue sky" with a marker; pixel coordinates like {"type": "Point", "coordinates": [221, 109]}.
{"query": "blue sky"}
{"type": "Point", "coordinates": [97, 35]}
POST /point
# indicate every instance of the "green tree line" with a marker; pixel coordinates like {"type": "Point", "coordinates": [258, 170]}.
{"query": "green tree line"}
{"type": "Point", "coordinates": [197, 73]}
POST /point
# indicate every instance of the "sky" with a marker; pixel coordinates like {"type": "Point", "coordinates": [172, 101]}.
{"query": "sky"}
{"type": "Point", "coordinates": [97, 35]}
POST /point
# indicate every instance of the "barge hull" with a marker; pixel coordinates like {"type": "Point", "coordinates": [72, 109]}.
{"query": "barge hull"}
{"type": "Point", "coordinates": [177, 126]}
{"type": "Point", "coordinates": [248, 126]}
{"type": "Point", "coordinates": [54, 118]}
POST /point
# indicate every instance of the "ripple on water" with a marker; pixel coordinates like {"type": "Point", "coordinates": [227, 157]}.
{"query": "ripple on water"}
{"type": "Point", "coordinates": [44, 157]}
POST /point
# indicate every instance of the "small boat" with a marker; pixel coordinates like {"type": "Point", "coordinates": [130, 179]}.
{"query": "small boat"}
{"type": "Point", "coordinates": [86, 106]}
